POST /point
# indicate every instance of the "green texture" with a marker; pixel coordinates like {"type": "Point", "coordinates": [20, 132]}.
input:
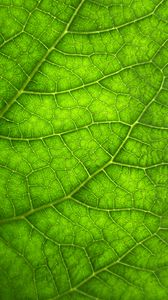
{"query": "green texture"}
{"type": "Point", "coordinates": [83, 149]}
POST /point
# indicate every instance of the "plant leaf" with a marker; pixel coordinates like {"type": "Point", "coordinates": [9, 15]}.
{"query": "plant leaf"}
{"type": "Point", "coordinates": [83, 143]}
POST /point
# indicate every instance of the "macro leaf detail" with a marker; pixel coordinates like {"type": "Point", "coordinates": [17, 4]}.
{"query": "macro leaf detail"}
{"type": "Point", "coordinates": [83, 149]}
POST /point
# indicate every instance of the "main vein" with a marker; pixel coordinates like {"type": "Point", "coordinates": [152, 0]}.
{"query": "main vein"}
{"type": "Point", "coordinates": [10, 103]}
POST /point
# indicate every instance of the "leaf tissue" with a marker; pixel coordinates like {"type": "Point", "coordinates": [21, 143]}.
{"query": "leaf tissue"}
{"type": "Point", "coordinates": [83, 149]}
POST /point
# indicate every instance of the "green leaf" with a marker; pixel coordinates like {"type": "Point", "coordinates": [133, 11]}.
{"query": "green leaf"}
{"type": "Point", "coordinates": [83, 149]}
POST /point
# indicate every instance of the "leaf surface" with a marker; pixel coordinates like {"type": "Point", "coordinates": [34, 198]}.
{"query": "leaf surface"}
{"type": "Point", "coordinates": [83, 150]}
